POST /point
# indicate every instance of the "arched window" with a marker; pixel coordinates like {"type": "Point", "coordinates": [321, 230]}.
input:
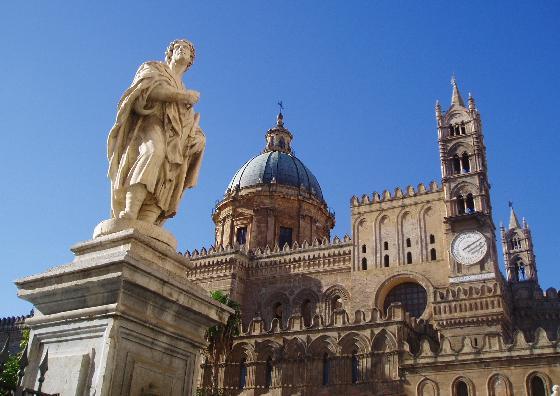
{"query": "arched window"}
{"type": "Point", "coordinates": [386, 260]}
{"type": "Point", "coordinates": [354, 367]}
{"type": "Point", "coordinates": [516, 243]}
{"type": "Point", "coordinates": [282, 143]}
{"type": "Point", "coordinates": [432, 238]}
{"type": "Point", "coordinates": [470, 203]}
{"type": "Point", "coordinates": [456, 165]}
{"type": "Point", "coordinates": [242, 374]}
{"type": "Point", "coordinates": [241, 235]}
{"type": "Point", "coordinates": [268, 372]}
{"type": "Point", "coordinates": [460, 205]}
{"type": "Point", "coordinates": [412, 296]}
{"type": "Point", "coordinates": [364, 263]}
{"type": "Point", "coordinates": [408, 242]}
{"type": "Point", "coordinates": [409, 258]}
{"type": "Point", "coordinates": [520, 265]}
{"type": "Point", "coordinates": [364, 248]}
{"type": "Point", "coordinates": [465, 163]}
{"type": "Point", "coordinates": [326, 369]}
{"type": "Point", "coordinates": [463, 129]}
{"type": "Point", "coordinates": [461, 388]}
{"type": "Point", "coordinates": [385, 245]}
{"type": "Point", "coordinates": [538, 387]}
{"type": "Point", "coordinates": [451, 130]}
{"type": "Point", "coordinates": [433, 255]}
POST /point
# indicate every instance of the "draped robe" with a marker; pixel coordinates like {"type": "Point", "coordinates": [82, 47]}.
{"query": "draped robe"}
{"type": "Point", "coordinates": [157, 144]}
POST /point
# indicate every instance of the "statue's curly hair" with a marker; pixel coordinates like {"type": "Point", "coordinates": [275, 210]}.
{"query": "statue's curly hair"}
{"type": "Point", "coordinates": [169, 50]}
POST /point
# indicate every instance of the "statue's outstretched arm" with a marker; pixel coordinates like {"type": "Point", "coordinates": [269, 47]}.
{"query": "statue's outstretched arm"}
{"type": "Point", "coordinates": [163, 93]}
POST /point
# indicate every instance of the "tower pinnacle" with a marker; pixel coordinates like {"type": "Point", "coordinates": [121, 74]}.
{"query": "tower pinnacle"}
{"type": "Point", "coordinates": [456, 98]}
{"type": "Point", "coordinates": [513, 222]}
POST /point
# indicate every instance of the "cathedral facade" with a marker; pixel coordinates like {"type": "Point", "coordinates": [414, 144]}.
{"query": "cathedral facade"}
{"type": "Point", "coordinates": [411, 303]}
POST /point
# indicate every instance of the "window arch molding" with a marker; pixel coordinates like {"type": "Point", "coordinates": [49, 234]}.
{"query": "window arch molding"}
{"type": "Point", "coordinates": [272, 301]}
{"type": "Point", "coordinates": [328, 296]}
{"type": "Point", "coordinates": [303, 296]}
{"type": "Point", "coordinates": [425, 384]}
{"type": "Point", "coordinates": [494, 380]}
{"type": "Point", "coordinates": [467, 381]}
{"type": "Point", "coordinates": [404, 277]}
{"type": "Point", "coordinates": [545, 380]}
{"type": "Point", "coordinates": [459, 148]}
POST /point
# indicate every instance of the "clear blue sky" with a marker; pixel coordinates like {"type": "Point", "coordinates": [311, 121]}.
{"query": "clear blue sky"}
{"type": "Point", "coordinates": [359, 81]}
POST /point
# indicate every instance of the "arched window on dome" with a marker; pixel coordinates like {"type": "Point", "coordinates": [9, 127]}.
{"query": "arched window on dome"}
{"type": "Point", "coordinates": [461, 389]}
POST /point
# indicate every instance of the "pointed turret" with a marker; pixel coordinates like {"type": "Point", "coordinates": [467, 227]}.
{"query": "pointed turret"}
{"type": "Point", "coordinates": [513, 222]}
{"type": "Point", "coordinates": [456, 99]}
{"type": "Point", "coordinates": [472, 106]}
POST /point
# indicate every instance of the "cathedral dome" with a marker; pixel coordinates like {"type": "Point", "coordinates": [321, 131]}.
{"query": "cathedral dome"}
{"type": "Point", "coordinates": [277, 164]}
{"type": "Point", "coordinates": [276, 167]}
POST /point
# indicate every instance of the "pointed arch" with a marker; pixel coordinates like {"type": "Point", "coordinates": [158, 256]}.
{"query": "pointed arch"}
{"type": "Point", "coordinates": [462, 386]}
{"type": "Point", "coordinates": [305, 303]}
{"type": "Point", "coordinates": [383, 341]}
{"type": "Point", "coordinates": [323, 344]}
{"type": "Point", "coordinates": [354, 342]}
{"type": "Point", "coordinates": [499, 385]}
{"type": "Point", "coordinates": [427, 387]}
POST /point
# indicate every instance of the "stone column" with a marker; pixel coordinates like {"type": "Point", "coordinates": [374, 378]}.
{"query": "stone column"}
{"type": "Point", "coordinates": [121, 319]}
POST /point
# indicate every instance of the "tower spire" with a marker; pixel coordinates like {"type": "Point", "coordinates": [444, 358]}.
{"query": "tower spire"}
{"type": "Point", "coordinates": [456, 98]}
{"type": "Point", "coordinates": [513, 222]}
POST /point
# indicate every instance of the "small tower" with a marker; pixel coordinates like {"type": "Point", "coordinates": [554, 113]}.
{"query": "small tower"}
{"type": "Point", "coordinates": [517, 244]}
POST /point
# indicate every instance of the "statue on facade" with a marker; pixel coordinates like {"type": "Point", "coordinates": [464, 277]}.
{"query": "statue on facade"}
{"type": "Point", "coordinates": [155, 147]}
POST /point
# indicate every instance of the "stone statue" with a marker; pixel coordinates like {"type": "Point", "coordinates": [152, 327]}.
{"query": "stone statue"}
{"type": "Point", "coordinates": [555, 390]}
{"type": "Point", "coordinates": [155, 147]}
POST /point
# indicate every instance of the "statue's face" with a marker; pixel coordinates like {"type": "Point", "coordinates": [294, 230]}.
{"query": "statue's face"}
{"type": "Point", "coordinates": [181, 53]}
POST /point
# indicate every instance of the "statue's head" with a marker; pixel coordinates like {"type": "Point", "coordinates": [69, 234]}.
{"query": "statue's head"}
{"type": "Point", "coordinates": [180, 47]}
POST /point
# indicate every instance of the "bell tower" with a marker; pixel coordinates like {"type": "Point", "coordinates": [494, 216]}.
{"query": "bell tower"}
{"type": "Point", "coordinates": [517, 244]}
{"type": "Point", "coordinates": [464, 170]}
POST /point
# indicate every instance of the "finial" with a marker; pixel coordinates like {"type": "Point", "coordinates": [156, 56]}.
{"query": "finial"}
{"type": "Point", "coordinates": [280, 118]}
{"type": "Point", "coordinates": [472, 106]}
{"type": "Point", "coordinates": [525, 225]}
{"type": "Point", "coordinates": [456, 98]}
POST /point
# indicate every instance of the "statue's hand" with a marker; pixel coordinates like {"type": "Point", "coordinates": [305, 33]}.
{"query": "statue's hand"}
{"type": "Point", "coordinates": [192, 97]}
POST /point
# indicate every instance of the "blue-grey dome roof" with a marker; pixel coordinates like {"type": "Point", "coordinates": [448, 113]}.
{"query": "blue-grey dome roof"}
{"type": "Point", "coordinates": [284, 168]}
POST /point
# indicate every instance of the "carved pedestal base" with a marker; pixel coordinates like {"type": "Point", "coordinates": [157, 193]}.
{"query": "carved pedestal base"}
{"type": "Point", "coordinates": [121, 319]}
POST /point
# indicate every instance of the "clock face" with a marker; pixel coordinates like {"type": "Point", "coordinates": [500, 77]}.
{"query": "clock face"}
{"type": "Point", "coordinates": [469, 247]}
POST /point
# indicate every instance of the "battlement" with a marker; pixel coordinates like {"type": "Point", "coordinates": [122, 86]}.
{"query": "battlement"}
{"type": "Point", "coordinates": [339, 320]}
{"type": "Point", "coordinates": [398, 194]}
{"type": "Point", "coordinates": [492, 346]}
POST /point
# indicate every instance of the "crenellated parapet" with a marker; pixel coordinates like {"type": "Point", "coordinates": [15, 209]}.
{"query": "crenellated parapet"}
{"type": "Point", "coordinates": [491, 347]}
{"type": "Point", "coordinates": [398, 195]}
{"type": "Point", "coordinates": [339, 320]}
{"type": "Point", "coordinates": [11, 329]}
{"type": "Point", "coordinates": [319, 256]}
{"type": "Point", "coordinates": [474, 304]}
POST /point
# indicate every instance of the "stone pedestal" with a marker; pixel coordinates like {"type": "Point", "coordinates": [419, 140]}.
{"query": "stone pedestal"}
{"type": "Point", "coordinates": [121, 319]}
